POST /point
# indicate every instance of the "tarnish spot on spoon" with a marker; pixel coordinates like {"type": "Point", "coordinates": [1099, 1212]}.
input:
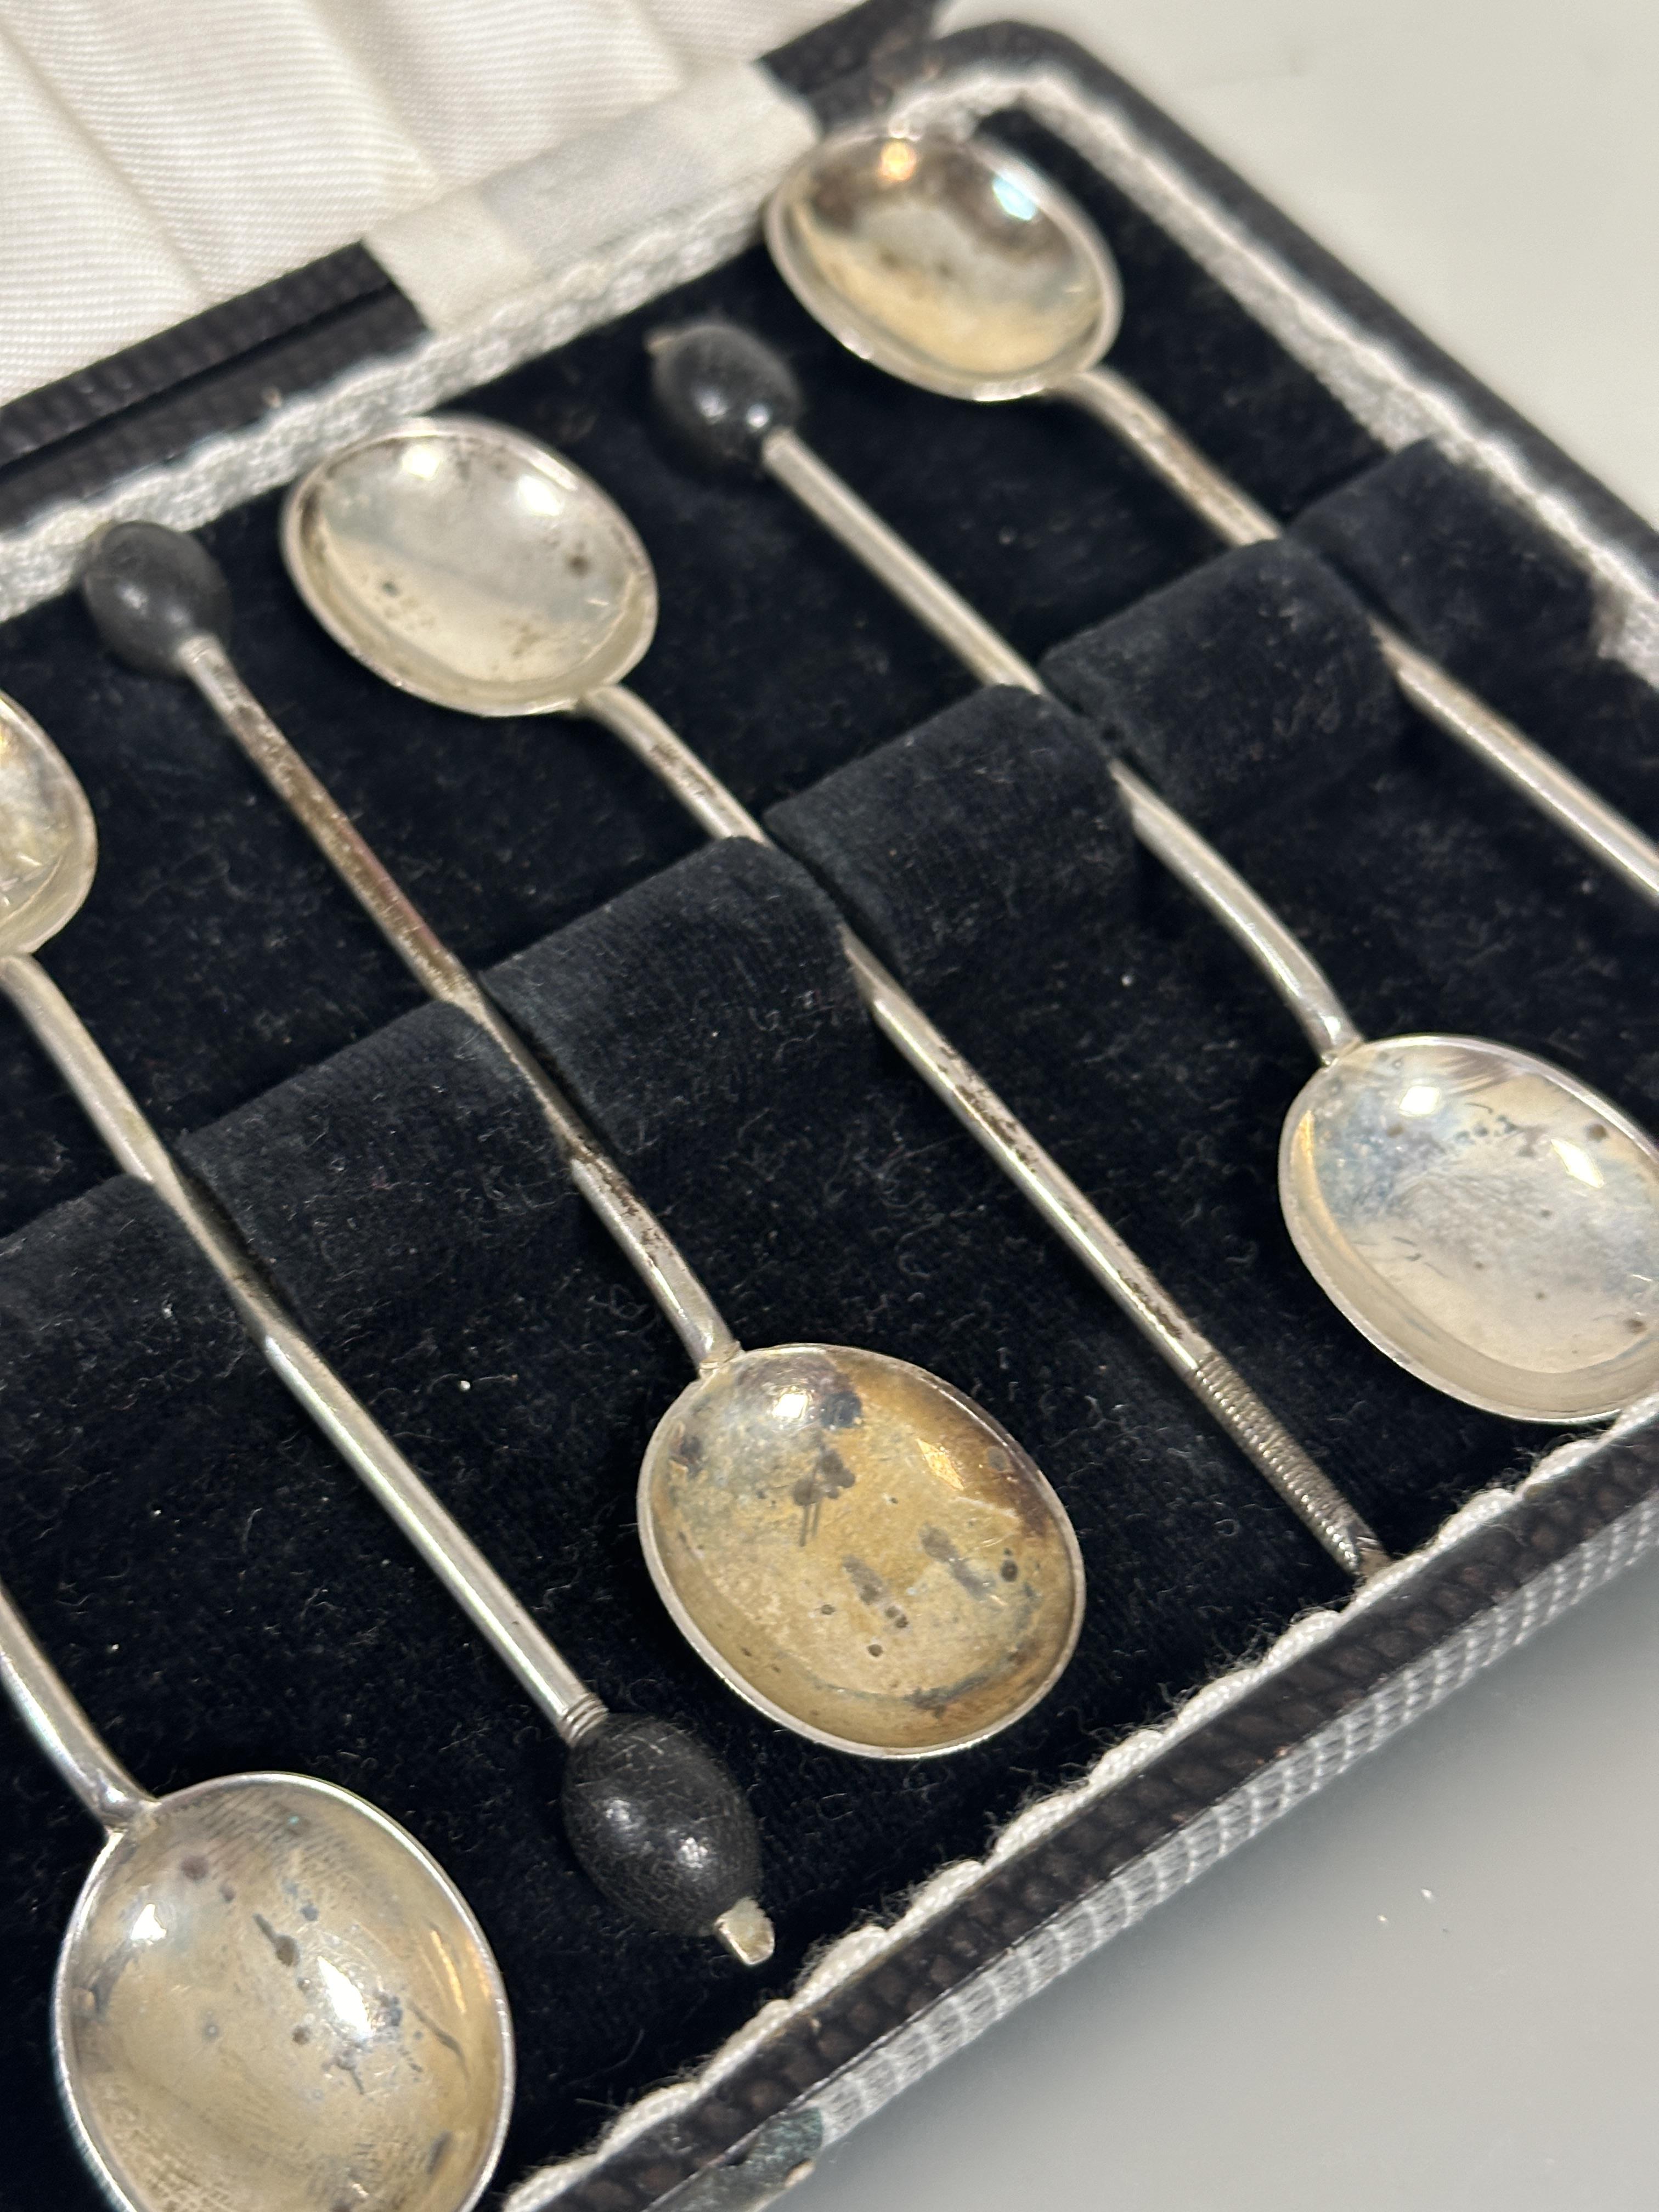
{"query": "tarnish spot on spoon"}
{"type": "Point", "coordinates": [910, 1587]}
{"type": "Point", "coordinates": [1486, 1219]}
{"type": "Point", "coordinates": [949, 263]}
{"type": "Point", "coordinates": [194, 2085]}
{"type": "Point", "coordinates": [48, 845]}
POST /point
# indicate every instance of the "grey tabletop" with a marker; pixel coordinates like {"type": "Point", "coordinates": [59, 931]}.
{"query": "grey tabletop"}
{"type": "Point", "coordinates": [1436, 1986]}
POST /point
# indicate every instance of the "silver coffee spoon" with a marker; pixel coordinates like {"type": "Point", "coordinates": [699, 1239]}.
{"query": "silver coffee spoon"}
{"type": "Point", "coordinates": [560, 603]}
{"type": "Point", "coordinates": [268, 1994]}
{"type": "Point", "coordinates": [1485, 1219]}
{"type": "Point", "coordinates": [651, 1814]}
{"type": "Point", "coordinates": [955, 265]}
{"type": "Point", "coordinates": [854, 1546]}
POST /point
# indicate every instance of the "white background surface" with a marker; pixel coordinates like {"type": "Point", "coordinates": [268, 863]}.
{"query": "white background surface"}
{"type": "Point", "coordinates": [1435, 1988]}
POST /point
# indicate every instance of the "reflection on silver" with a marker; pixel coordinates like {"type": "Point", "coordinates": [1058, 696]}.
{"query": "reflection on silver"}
{"type": "Point", "coordinates": [859, 1550]}
{"type": "Point", "coordinates": [48, 841]}
{"type": "Point", "coordinates": [954, 265]}
{"type": "Point", "coordinates": [558, 600]}
{"type": "Point", "coordinates": [1438, 1341]}
{"type": "Point", "coordinates": [472, 562]}
{"type": "Point", "coordinates": [268, 1994]}
{"type": "Point", "coordinates": [1487, 1220]}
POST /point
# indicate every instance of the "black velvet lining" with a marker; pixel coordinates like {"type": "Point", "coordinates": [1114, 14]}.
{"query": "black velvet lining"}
{"type": "Point", "coordinates": [953, 849]}
{"type": "Point", "coordinates": [1441, 553]}
{"type": "Point", "coordinates": [166, 1500]}
{"type": "Point", "coordinates": [1251, 685]}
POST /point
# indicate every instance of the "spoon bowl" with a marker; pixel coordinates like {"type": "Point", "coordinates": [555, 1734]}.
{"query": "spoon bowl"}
{"type": "Point", "coordinates": [270, 1996]}
{"type": "Point", "coordinates": [470, 567]}
{"type": "Point", "coordinates": [859, 1550]}
{"type": "Point", "coordinates": [48, 840]}
{"type": "Point", "coordinates": [1485, 1219]}
{"type": "Point", "coordinates": [947, 262]}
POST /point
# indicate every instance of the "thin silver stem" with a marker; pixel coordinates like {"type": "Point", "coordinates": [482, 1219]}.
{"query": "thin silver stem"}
{"type": "Point", "coordinates": [649, 1248]}
{"type": "Point", "coordinates": [361, 1443]}
{"type": "Point", "coordinates": [1571, 804]}
{"type": "Point", "coordinates": [1287, 963]}
{"type": "Point", "coordinates": [1283, 958]}
{"type": "Point", "coordinates": [1112, 401]}
{"type": "Point", "coordinates": [1130, 1283]}
{"type": "Point", "coordinates": [672, 762]}
{"type": "Point", "coordinates": [887, 556]}
{"type": "Point", "coordinates": [1147, 431]}
{"type": "Point", "coordinates": [63, 1731]}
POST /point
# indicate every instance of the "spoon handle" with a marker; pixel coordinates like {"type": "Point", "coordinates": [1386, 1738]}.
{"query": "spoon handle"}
{"type": "Point", "coordinates": [1536, 775]}
{"type": "Point", "coordinates": [1124, 409]}
{"type": "Point", "coordinates": [832, 501]}
{"type": "Point", "coordinates": [442, 1543]}
{"type": "Point", "coordinates": [1034, 1171]}
{"type": "Point", "coordinates": [665, 1272]}
{"type": "Point", "coordinates": [1112, 401]}
{"type": "Point", "coordinates": [63, 1731]}
{"type": "Point", "coordinates": [1283, 958]}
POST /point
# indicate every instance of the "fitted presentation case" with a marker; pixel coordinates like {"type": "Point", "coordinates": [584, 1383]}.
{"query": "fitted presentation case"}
{"type": "Point", "coordinates": [220, 1593]}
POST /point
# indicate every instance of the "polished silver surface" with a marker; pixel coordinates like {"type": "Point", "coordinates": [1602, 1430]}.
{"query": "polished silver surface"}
{"type": "Point", "coordinates": [967, 273]}
{"type": "Point", "coordinates": [48, 840]}
{"type": "Point", "coordinates": [268, 1994]}
{"type": "Point", "coordinates": [476, 563]}
{"type": "Point", "coordinates": [950, 263]}
{"type": "Point", "coordinates": [1062, 1204]}
{"type": "Point", "coordinates": [1489, 1221]}
{"type": "Point", "coordinates": [1362, 1192]}
{"type": "Point", "coordinates": [861, 1550]}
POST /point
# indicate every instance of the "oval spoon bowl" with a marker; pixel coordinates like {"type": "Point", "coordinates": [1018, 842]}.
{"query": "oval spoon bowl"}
{"type": "Point", "coordinates": [270, 1996]}
{"type": "Point", "coordinates": [48, 840]}
{"type": "Point", "coordinates": [949, 263]}
{"type": "Point", "coordinates": [859, 1550]}
{"type": "Point", "coordinates": [1485, 1219]}
{"type": "Point", "coordinates": [470, 567]}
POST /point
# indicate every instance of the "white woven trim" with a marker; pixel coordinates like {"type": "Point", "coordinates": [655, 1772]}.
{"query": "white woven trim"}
{"type": "Point", "coordinates": [1396, 403]}
{"type": "Point", "coordinates": [221, 471]}
{"type": "Point", "coordinates": [872, 2079]}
